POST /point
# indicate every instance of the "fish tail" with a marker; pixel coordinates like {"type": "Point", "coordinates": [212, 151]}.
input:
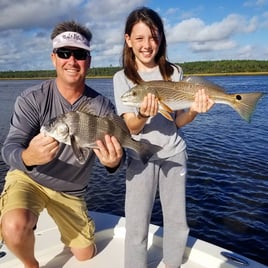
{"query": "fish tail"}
{"type": "Point", "coordinates": [147, 151]}
{"type": "Point", "coordinates": [245, 104]}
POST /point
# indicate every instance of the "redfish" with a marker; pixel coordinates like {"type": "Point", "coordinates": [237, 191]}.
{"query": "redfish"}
{"type": "Point", "coordinates": [174, 96]}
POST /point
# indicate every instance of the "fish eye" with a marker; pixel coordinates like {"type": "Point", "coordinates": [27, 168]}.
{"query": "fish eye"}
{"type": "Point", "coordinates": [63, 129]}
{"type": "Point", "coordinates": [51, 123]}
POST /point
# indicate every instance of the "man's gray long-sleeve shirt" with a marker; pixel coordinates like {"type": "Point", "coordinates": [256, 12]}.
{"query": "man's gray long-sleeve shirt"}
{"type": "Point", "coordinates": [33, 108]}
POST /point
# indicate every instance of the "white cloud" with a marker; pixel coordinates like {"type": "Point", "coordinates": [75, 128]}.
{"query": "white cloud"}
{"type": "Point", "coordinates": [108, 10]}
{"type": "Point", "coordinates": [195, 29]}
{"type": "Point", "coordinates": [264, 20]}
{"type": "Point", "coordinates": [220, 36]}
{"type": "Point", "coordinates": [254, 3]}
{"type": "Point", "coordinates": [213, 45]}
{"type": "Point", "coordinates": [28, 14]}
{"type": "Point", "coordinates": [26, 26]}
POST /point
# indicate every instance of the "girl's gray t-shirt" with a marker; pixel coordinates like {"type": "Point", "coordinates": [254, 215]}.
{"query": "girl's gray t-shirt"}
{"type": "Point", "coordinates": [158, 130]}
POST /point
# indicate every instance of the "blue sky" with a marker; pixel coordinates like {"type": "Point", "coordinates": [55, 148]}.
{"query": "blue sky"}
{"type": "Point", "coordinates": [195, 30]}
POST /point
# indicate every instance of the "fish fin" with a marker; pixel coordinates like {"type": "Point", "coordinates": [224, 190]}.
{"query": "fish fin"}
{"type": "Point", "coordinates": [78, 152]}
{"type": "Point", "coordinates": [166, 115]}
{"type": "Point", "coordinates": [197, 80]}
{"type": "Point", "coordinates": [119, 121]}
{"type": "Point", "coordinates": [165, 110]}
{"type": "Point", "coordinates": [164, 106]}
{"type": "Point", "coordinates": [84, 107]}
{"type": "Point", "coordinates": [202, 82]}
{"type": "Point", "coordinates": [245, 103]}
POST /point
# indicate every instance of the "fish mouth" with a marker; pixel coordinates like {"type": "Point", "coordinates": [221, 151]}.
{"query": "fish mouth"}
{"type": "Point", "coordinates": [126, 96]}
{"type": "Point", "coordinates": [126, 102]}
{"type": "Point", "coordinates": [43, 130]}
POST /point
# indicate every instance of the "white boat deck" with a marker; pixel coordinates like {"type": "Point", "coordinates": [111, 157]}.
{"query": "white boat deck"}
{"type": "Point", "coordinates": [110, 232]}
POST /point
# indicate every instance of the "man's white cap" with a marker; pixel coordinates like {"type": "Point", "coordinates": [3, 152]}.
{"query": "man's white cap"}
{"type": "Point", "coordinates": [71, 39]}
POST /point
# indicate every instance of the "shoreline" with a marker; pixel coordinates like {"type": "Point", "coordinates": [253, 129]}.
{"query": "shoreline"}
{"type": "Point", "coordinates": [227, 74]}
{"type": "Point", "coordinates": [186, 74]}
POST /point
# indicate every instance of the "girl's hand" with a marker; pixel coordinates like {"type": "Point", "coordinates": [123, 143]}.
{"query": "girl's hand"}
{"type": "Point", "coordinates": [202, 102]}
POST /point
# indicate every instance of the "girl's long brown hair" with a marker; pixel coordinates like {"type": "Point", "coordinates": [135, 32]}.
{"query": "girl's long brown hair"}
{"type": "Point", "coordinates": [153, 21]}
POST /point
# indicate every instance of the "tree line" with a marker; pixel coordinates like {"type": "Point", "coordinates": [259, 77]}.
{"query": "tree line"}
{"type": "Point", "coordinates": [222, 67]}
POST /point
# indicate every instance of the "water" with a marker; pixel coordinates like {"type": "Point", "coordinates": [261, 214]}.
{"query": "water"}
{"type": "Point", "coordinates": [227, 197]}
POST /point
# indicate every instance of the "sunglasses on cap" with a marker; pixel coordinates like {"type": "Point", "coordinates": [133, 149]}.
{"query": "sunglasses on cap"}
{"type": "Point", "coordinates": [66, 53]}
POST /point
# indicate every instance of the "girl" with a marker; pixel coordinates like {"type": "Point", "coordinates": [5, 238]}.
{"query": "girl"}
{"type": "Point", "coordinates": [144, 58]}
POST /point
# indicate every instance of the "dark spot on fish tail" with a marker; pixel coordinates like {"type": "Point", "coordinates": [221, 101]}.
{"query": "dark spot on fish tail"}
{"type": "Point", "coordinates": [239, 97]}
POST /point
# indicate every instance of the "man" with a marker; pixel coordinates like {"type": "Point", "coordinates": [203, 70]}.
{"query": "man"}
{"type": "Point", "coordinates": [44, 173]}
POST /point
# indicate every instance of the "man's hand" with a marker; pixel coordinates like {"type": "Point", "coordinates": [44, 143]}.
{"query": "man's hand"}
{"type": "Point", "coordinates": [110, 152]}
{"type": "Point", "coordinates": [41, 150]}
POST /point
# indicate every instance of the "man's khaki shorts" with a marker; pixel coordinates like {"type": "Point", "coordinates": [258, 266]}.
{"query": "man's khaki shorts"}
{"type": "Point", "coordinates": [69, 212]}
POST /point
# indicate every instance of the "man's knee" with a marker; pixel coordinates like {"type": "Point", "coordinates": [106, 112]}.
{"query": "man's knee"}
{"type": "Point", "coordinates": [83, 254]}
{"type": "Point", "coordinates": [15, 224]}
